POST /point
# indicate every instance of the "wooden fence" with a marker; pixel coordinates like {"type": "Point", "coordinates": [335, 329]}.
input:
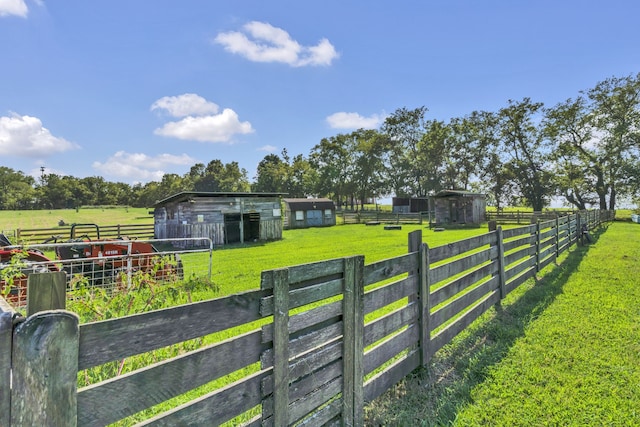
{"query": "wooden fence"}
{"type": "Point", "coordinates": [364, 217]}
{"type": "Point", "coordinates": [39, 235]}
{"type": "Point", "coordinates": [528, 217]}
{"type": "Point", "coordinates": [314, 361]}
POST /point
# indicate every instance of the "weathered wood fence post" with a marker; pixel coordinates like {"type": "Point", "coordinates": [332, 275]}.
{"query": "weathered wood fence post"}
{"type": "Point", "coordinates": [557, 236]}
{"type": "Point", "coordinates": [424, 289]}
{"type": "Point", "coordinates": [501, 267]}
{"type": "Point", "coordinates": [537, 246]}
{"type": "Point", "coordinates": [7, 318]}
{"type": "Point", "coordinates": [281, 347]}
{"type": "Point", "coordinates": [45, 370]}
{"type": "Point", "coordinates": [46, 291]}
{"type": "Point", "coordinates": [353, 342]}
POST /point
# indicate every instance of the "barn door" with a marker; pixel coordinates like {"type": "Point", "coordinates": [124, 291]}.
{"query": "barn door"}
{"type": "Point", "coordinates": [453, 210]}
{"type": "Point", "coordinates": [232, 223]}
{"type": "Point", "coordinates": [251, 226]}
{"type": "Point", "coordinates": [314, 218]}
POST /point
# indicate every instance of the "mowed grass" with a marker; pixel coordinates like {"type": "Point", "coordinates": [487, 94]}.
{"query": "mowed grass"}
{"type": "Point", "coordinates": [13, 220]}
{"type": "Point", "coordinates": [561, 351]}
{"type": "Point", "coordinates": [237, 268]}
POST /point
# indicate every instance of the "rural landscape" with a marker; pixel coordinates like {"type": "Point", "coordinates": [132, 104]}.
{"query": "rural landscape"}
{"type": "Point", "coordinates": [511, 349]}
{"type": "Point", "coordinates": [447, 307]}
{"type": "Point", "coordinates": [417, 215]}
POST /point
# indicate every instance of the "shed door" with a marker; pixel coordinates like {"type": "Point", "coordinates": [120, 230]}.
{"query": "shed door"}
{"type": "Point", "coordinates": [314, 218]}
{"type": "Point", "coordinates": [453, 210]}
{"type": "Point", "coordinates": [232, 224]}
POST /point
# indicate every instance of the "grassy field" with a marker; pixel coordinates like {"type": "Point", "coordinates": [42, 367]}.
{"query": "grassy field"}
{"type": "Point", "coordinates": [12, 220]}
{"type": "Point", "coordinates": [562, 351]}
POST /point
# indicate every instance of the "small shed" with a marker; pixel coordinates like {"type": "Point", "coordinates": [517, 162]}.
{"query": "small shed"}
{"type": "Point", "coordinates": [459, 207]}
{"type": "Point", "coordinates": [402, 205]}
{"type": "Point", "coordinates": [304, 213]}
{"type": "Point", "coordinates": [222, 217]}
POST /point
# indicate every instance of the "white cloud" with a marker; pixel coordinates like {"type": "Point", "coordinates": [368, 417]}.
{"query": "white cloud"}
{"type": "Point", "coordinates": [140, 167]}
{"type": "Point", "coordinates": [344, 120]}
{"type": "Point", "coordinates": [13, 7]}
{"type": "Point", "coordinates": [200, 120]}
{"type": "Point", "coordinates": [262, 42]}
{"type": "Point", "coordinates": [185, 105]}
{"type": "Point", "coordinates": [268, 148]}
{"type": "Point", "coordinates": [24, 136]}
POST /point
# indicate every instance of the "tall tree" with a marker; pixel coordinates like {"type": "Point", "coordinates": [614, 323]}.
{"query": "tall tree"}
{"type": "Point", "coordinates": [597, 139]}
{"type": "Point", "coordinates": [331, 159]}
{"type": "Point", "coordinates": [368, 148]}
{"type": "Point", "coordinates": [524, 144]}
{"type": "Point", "coordinates": [405, 129]}
{"type": "Point", "coordinates": [271, 175]}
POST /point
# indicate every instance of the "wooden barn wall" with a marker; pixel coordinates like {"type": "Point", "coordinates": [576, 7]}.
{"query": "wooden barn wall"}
{"type": "Point", "coordinates": [290, 221]}
{"type": "Point", "coordinates": [470, 210]}
{"type": "Point", "coordinates": [204, 217]}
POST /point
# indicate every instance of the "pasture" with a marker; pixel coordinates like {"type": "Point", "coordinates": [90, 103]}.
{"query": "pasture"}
{"type": "Point", "coordinates": [237, 268]}
{"type": "Point", "coordinates": [442, 393]}
{"type": "Point", "coordinates": [562, 350]}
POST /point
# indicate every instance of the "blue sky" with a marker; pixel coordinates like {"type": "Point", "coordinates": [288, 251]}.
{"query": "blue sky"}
{"type": "Point", "coordinates": [129, 90]}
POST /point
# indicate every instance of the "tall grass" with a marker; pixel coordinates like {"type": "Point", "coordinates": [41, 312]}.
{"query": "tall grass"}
{"type": "Point", "coordinates": [564, 350]}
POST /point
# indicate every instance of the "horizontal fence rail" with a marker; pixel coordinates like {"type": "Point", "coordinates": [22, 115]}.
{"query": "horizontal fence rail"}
{"type": "Point", "coordinates": [525, 217]}
{"type": "Point", "coordinates": [379, 217]}
{"type": "Point", "coordinates": [309, 347]}
{"type": "Point", "coordinates": [39, 235]}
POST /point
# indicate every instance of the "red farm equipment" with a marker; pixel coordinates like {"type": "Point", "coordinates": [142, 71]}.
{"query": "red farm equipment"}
{"type": "Point", "coordinates": [16, 264]}
{"type": "Point", "coordinates": [104, 261]}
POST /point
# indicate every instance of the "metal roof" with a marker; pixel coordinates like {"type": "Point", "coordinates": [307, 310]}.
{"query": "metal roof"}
{"type": "Point", "coordinates": [187, 195]}
{"type": "Point", "coordinates": [463, 193]}
{"type": "Point", "coordinates": [307, 204]}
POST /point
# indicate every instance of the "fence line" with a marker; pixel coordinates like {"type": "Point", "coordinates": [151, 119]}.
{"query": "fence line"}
{"type": "Point", "coordinates": [315, 362]}
{"type": "Point", "coordinates": [38, 235]}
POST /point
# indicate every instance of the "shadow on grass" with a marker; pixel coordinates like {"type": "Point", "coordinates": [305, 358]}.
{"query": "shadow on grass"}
{"type": "Point", "coordinates": [434, 395]}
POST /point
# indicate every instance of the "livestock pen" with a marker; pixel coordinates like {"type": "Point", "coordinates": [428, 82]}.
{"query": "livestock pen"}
{"type": "Point", "coordinates": [328, 337]}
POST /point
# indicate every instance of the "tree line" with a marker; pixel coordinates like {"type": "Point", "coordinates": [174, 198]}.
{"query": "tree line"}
{"type": "Point", "coordinates": [585, 150]}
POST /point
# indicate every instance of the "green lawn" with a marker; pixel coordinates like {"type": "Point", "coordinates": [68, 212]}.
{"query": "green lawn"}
{"type": "Point", "coordinates": [237, 268]}
{"type": "Point", "coordinates": [563, 351]}
{"type": "Point", "coordinates": [12, 220]}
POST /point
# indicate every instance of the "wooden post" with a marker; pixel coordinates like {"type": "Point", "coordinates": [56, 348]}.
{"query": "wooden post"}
{"type": "Point", "coordinates": [537, 246]}
{"type": "Point", "coordinates": [501, 267]}
{"type": "Point", "coordinates": [8, 316]}
{"type": "Point", "coordinates": [557, 238]}
{"type": "Point", "coordinates": [46, 291]}
{"type": "Point", "coordinates": [415, 240]}
{"type": "Point", "coordinates": [578, 235]}
{"type": "Point", "coordinates": [281, 347]}
{"type": "Point", "coordinates": [45, 370]}
{"type": "Point", "coordinates": [353, 342]}
{"type": "Point", "coordinates": [425, 305]}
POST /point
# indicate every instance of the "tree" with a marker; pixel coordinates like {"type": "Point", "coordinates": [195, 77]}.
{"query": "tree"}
{"type": "Point", "coordinates": [578, 171]}
{"type": "Point", "coordinates": [405, 129]}
{"type": "Point", "coordinates": [16, 189]}
{"type": "Point", "coordinates": [615, 105]}
{"type": "Point", "coordinates": [597, 139]}
{"type": "Point", "coordinates": [219, 177]}
{"type": "Point", "coordinates": [524, 146]}
{"type": "Point", "coordinates": [271, 175]}
{"type": "Point", "coordinates": [368, 148]}
{"type": "Point", "coordinates": [302, 178]}
{"type": "Point", "coordinates": [331, 159]}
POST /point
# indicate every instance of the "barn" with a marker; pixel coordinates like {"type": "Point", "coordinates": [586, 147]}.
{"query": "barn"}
{"type": "Point", "coordinates": [304, 213]}
{"type": "Point", "coordinates": [459, 207]}
{"type": "Point", "coordinates": [401, 205]}
{"type": "Point", "coordinates": [222, 217]}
